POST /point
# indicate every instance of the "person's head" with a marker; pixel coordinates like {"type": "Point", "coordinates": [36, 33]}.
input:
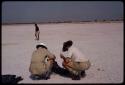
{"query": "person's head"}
{"type": "Point", "coordinates": [67, 45]}
{"type": "Point", "coordinates": [35, 24]}
{"type": "Point", "coordinates": [42, 45]}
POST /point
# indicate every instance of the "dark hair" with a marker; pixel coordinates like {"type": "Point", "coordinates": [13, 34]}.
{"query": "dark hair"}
{"type": "Point", "coordinates": [66, 45]}
{"type": "Point", "coordinates": [41, 46]}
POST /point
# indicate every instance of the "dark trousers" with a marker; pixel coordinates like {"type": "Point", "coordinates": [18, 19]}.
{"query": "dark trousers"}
{"type": "Point", "coordinates": [61, 71]}
{"type": "Point", "coordinates": [65, 73]}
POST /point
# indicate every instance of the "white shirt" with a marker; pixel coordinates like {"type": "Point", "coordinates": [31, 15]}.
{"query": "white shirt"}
{"type": "Point", "coordinates": [75, 54]}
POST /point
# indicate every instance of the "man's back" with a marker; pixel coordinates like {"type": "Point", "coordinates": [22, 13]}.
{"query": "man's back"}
{"type": "Point", "coordinates": [39, 55]}
{"type": "Point", "coordinates": [77, 55]}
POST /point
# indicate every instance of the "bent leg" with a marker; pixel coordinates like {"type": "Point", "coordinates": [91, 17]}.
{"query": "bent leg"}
{"type": "Point", "coordinates": [85, 65]}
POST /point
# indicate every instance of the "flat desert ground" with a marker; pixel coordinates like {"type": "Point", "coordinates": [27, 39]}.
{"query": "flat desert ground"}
{"type": "Point", "coordinates": [101, 43]}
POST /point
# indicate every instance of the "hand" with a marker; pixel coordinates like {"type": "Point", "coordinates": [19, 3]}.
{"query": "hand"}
{"type": "Point", "coordinates": [65, 65]}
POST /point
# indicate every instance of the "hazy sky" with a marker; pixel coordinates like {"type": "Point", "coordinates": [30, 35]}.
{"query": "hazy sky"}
{"type": "Point", "coordinates": [36, 11]}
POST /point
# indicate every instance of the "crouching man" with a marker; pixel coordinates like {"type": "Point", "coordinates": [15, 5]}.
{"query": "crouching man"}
{"type": "Point", "coordinates": [41, 63]}
{"type": "Point", "coordinates": [74, 61]}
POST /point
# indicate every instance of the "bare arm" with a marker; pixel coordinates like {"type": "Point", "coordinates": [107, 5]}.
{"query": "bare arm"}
{"type": "Point", "coordinates": [62, 56]}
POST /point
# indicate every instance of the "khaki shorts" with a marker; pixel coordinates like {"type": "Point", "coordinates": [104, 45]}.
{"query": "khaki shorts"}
{"type": "Point", "coordinates": [82, 65]}
{"type": "Point", "coordinates": [77, 67]}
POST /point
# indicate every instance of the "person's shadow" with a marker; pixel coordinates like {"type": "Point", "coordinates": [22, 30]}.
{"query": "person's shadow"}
{"type": "Point", "coordinates": [60, 71]}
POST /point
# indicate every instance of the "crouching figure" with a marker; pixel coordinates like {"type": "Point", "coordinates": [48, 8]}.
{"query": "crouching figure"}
{"type": "Point", "coordinates": [41, 63]}
{"type": "Point", "coordinates": [74, 61]}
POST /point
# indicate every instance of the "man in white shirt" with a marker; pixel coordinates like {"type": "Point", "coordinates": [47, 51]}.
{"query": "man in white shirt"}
{"type": "Point", "coordinates": [74, 60]}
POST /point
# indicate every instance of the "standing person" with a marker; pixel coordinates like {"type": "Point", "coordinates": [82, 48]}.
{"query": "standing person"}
{"type": "Point", "coordinates": [37, 32]}
{"type": "Point", "coordinates": [74, 60]}
{"type": "Point", "coordinates": [41, 63]}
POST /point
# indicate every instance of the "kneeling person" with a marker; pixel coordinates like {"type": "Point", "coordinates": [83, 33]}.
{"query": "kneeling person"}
{"type": "Point", "coordinates": [41, 63]}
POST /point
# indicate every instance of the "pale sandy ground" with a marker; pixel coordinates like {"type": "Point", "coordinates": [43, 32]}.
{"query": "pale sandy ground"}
{"type": "Point", "coordinates": [102, 43]}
